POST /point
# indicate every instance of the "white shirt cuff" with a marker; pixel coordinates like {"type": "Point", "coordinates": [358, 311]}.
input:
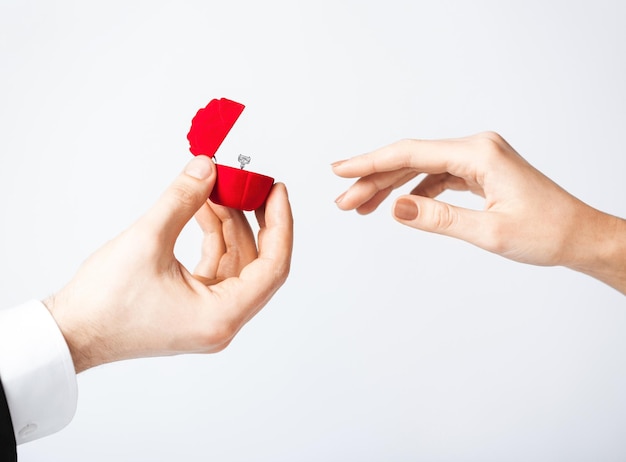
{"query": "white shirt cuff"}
{"type": "Point", "coordinates": [37, 371]}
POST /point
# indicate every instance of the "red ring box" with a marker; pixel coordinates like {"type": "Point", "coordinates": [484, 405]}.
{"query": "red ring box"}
{"type": "Point", "coordinates": [234, 187]}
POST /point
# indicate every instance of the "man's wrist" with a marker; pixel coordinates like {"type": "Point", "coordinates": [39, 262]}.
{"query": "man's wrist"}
{"type": "Point", "coordinates": [78, 349]}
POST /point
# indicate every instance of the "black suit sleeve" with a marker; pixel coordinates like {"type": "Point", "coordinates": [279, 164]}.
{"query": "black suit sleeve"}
{"type": "Point", "coordinates": [8, 451]}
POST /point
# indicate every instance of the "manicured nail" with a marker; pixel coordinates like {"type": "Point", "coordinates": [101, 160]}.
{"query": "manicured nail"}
{"type": "Point", "coordinates": [339, 199]}
{"type": "Point", "coordinates": [405, 209]}
{"type": "Point", "coordinates": [338, 163]}
{"type": "Point", "coordinates": [199, 167]}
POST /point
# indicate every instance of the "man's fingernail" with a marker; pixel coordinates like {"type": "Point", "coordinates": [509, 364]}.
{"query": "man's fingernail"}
{"type": "Point", "coordinates": [338, 163]}
{"type": "Point", "coordinates": [199, 167]}
{"type": "Point", "coordinates": [340, 198]}
{"type": "Point", "coordinates": [405, 209]}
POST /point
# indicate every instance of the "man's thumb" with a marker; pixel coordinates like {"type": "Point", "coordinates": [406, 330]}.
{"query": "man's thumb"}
{"type": "Point", "coordinates": [182, 199]}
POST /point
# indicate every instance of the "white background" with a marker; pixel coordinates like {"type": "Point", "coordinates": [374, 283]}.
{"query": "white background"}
{"type": "Point", "coordinates": [386, 343]}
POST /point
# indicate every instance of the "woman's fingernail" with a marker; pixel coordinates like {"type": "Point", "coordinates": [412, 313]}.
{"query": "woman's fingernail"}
{"type": "Point", "coordinates": [405, 209]}
{"type": "Point", "coordinates": [340, 198]}
{"type": "Point", "coordinates": [199, 167]}
{"type": "Point", "coordinates": [336, 164]}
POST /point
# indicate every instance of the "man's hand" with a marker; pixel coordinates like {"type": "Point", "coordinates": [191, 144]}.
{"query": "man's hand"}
{"type": "Point", "coordinates": [133, 298]}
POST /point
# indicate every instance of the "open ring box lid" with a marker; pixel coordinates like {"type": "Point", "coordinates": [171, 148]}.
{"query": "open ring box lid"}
{"type": "Point", "coordinates": [234, 187]}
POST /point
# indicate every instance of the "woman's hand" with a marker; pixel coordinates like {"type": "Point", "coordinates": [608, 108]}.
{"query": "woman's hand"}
{"type": "Point", "coordinates": [526, 217]}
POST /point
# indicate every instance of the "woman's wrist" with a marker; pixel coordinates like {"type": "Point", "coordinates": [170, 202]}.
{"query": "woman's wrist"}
{"type": "Point", "coordinates": [603, 255]}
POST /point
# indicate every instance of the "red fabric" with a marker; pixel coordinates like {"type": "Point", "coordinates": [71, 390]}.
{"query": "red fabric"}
{"type": "Point", "coordinates": [235, 188]}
